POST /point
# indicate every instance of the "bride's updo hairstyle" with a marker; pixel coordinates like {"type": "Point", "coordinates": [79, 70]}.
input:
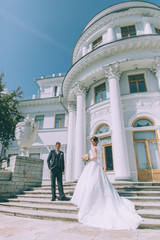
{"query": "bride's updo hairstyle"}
{"type": "Point", "coordinates": [95, 139]}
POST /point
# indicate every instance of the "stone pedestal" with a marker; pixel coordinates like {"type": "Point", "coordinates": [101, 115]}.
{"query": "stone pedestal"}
{"type": "Point", "coordinates": [25, 172]}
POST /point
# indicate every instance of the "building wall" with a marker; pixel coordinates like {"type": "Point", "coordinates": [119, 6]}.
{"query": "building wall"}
{"type": "Point", "coordinates": [133, 55]}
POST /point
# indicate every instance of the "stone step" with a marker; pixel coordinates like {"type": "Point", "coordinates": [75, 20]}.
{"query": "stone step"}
{"type": "Point", "coordinates": [116, 184]}
{"type": "Point", "coordinates": [64, 185]}
{"type": "Point", "coordinates": [41, 207]}
{"type": "Point", "coordinates": [70, 193]}
{"type": "Point", "coordinates": [150, 224]}
{"type": "Point", "coordinates": [40, 201]}
{"type": "Point", "coordinates": [42, 196]}
{"type": "Point", "coordinates": [139, 205]}
{"type": "Point", "coordinates": [37, 203]}
{"type": "Point", "coordinates": [132, 198]}
{"type": "Point", "coordinates": [49, 188]}
{"type": "Point", "coordinates": [147, 205]}
{"type": "Point", "coordinates": [39, 214]}
{"type": "Point", "coordinates": [144, 199]}
{"type": "Point", "coordinates": [145, 213]}
{"type": "Point", "coordinates": [138, 184]}
{"type": "Point", "coordinates": [118, 188]}
{"type": "Point", "coordinates": [141, 193]}
{"type": "Point", "coordinates": [148, 213]}
{"type": "Point", "coordinates": [43, 192]}
{"type": "Point", "coordinates": [137, 188]}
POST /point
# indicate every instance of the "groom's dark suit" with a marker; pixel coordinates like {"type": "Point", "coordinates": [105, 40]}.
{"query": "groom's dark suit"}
{"type": "Point", "coordinates": [55, 163]}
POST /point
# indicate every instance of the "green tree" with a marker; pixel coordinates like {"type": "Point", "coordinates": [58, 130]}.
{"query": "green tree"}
{"type": "Point", "coordinates": [9, 115]}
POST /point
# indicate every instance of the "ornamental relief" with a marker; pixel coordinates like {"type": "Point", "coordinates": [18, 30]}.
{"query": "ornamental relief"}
{"type": "Point", "coordinates": [98, 115]}
{"type": "Point", "coordinates": [143, 105]}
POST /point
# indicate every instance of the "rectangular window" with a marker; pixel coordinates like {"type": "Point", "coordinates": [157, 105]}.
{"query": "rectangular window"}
{"type": "Point", "coordinates": [34, 155]}
{"type": "Point", "coordinates": [108, 165]}
{"type": "Point", "coordinates": [97, 42]}
{"type": "Point", "coordinates": [128, 31]}
{"type": "Point", "coordinates": [100, 93]}
{"type": "Point", "coordinates": [9, 156]}
{"type": "Point", "coordinates": [55, 91]}
{"type": "Point", "coordinates": [39, 120]}
{"type": "Point", "coordinates": [59, 121]}
{"type": "Point", "coordinates": [157, 31]}
{"type": "Point", "coordinates": [137, 83]}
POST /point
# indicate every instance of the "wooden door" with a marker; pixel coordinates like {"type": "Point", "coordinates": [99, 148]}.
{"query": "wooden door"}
{"type": "Point", "coordinates": [148, 160]}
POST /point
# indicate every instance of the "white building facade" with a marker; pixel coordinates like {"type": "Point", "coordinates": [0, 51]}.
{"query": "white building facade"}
{"type": "Point", "coordinates": [111, 91]}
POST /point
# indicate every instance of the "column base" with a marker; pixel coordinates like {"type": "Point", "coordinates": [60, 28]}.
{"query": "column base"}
{"type": "Point", "coordinates": [123, 179]}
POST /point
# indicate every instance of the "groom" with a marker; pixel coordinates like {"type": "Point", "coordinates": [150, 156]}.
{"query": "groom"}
{"type": "Point", "coordinates": [55, 163]}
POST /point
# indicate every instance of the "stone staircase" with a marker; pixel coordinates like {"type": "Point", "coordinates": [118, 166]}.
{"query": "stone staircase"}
{"type": "Point", "coordinates": [37, 203]}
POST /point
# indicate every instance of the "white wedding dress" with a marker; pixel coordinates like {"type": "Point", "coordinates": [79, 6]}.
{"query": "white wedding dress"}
{"type": "Point", "coordinates": [98, 202]}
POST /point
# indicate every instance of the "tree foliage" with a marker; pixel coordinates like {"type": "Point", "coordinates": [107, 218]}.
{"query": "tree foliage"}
{"type": "Point", "coordinates": [9, 114]}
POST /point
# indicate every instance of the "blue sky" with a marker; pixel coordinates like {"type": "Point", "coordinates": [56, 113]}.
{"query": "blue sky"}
{"type": "Point", "coordinates": [38, 37]}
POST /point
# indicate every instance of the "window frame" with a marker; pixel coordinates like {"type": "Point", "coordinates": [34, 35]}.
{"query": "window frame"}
{"type": "Point", "coordinates": [157, 30]}
{"type": "Point", "coordinates": [97, 42]}
{"type": "Point", "coordinates": [137, 80]}
{"type": "Point", "coordinates": [59, 120]}
{"type": "Point", "coordinates": [39, 120]}
{"type": "Point", "coordinates": [101, 100]}
{"type": "Point", "coordinates": [105, 159]}
{"type": "Point", "coordinates": [128, 31]}
{"type": "Point", "coordinates": [34, 154]}
{"type": "Point", "coordinates": [55, 91]}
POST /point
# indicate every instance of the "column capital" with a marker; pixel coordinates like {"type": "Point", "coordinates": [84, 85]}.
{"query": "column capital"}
{"type": "Point", "coordinates": [81, 90]}
{"type": "Point", "coordinates": [112, 70]}
{"type": "Point", "coordinates": [71, 106]}
{"type": "Point", "coordinates": [156, 66]}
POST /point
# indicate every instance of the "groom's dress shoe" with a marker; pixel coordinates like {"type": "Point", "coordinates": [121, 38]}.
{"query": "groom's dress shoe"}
{"type": "Point", "coordinates": [64, 198]}
{"type": "Point", "coordinates": [53, 199]}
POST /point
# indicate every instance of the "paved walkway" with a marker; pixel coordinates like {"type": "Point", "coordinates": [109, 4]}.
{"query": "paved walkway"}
{"type": "Point", "coordinates": [16, 228]}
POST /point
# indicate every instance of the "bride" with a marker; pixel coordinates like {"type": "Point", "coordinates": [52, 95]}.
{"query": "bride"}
{"type": "Point", "coordinates": [98, 202]}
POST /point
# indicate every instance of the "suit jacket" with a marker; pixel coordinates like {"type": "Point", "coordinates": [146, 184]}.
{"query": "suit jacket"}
{"type": "Point", "coordinates": [56, 160]}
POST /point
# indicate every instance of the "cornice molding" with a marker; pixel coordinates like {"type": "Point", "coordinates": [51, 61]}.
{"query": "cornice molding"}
{"type": "Point", "coordinates": [119, 47]}
{"type": "Point", "coordinates": [38, 102]}
{"type": "Point", "coordinates": [112, 17]}
{"type": "Point", "coordinates": [119, 7]}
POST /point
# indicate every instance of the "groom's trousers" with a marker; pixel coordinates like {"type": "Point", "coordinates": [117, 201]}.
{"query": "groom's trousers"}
{"type": "Point", "coordinates": [56, 173]}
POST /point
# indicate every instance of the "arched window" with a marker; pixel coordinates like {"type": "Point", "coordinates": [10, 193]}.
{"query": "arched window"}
{"type": "Point", "coordinates": [143, 123]}
{"type": "Point", "coordinates": [102, 129]}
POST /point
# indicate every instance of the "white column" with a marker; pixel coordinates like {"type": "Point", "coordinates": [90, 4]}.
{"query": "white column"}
{"type": "Point", "coordinates": [119, 145]}
{"type": "Point", "coordinates": [147, 27]}
{"type": "Point", "coordinates": [70, 143]}
{"type": "Point", "coordinates": [80, 147]}
{"type": "Point", "coordinates": [156, 69]}
{"type": "Point", "coordinates": [111, 34]}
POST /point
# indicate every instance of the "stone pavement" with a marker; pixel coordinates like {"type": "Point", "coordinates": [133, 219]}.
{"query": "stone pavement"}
{"type": "Point", "coordinates": [17, 228]}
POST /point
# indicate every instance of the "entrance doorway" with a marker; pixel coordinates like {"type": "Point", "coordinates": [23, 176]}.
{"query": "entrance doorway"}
{"type": "Point", "coordinates": [147, 151]}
